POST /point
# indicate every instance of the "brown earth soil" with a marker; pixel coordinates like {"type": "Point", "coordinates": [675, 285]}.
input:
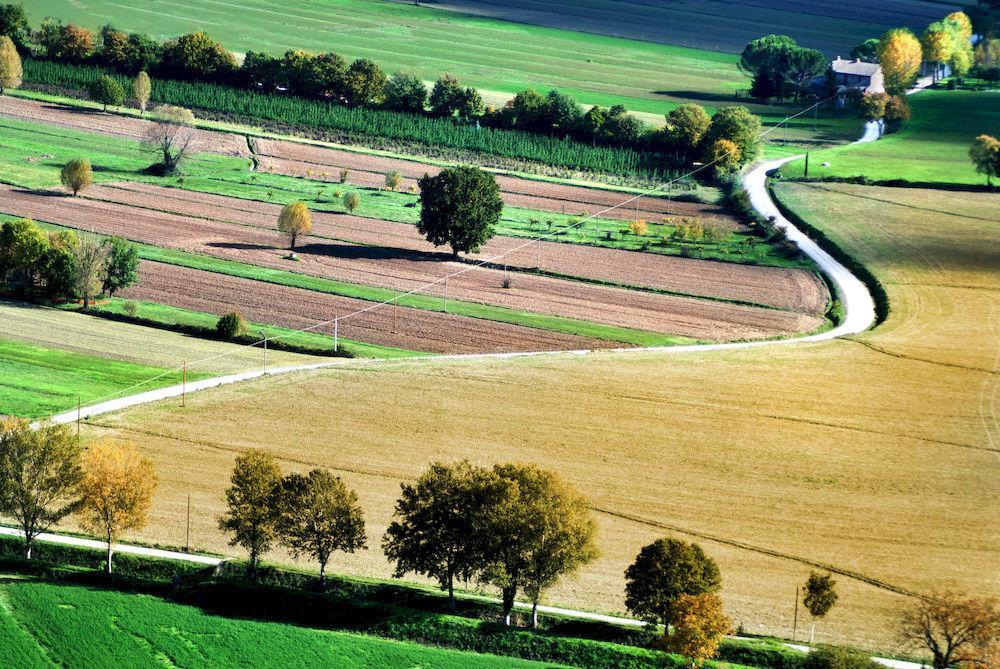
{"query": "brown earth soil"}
{"type": "Point", "coordinates": [297, 308]}
{"type": "Point", "coordinates": [402, 270]}
{"type": "Point", "coordinates": [793, 289]}
{"type": "Point", "coordinates": [91, 120]}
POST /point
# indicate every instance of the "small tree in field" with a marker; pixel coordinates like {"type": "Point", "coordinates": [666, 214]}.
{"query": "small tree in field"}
{"type": "Point", "coordinates": [142, 87]}
{"type": "Point", "coordinates": [663, 571]}
{"type": "Point", "coordinates": [459, 207]}
{"type": "Point", "coordinates": [171, 136]}
{"type": "Point", "coordinates": [344, 173]}
{"type": "Point", "coordinates": [40, 476]}
{"type": "Point", "coordinates": [107, 91]}
{"type": "Point", "coordinates": [118, 486]}
{"type": "Point", "coordinates": [10, 65]}
{"type": "Point", "coordinates": [351, 201]}
{"type": "Point", "coordinates": [393, 179]}
{"type": "Point", "coordinates": [820, 596]}
{"type": "Point", "coordinates": [319, 515]}
{"type": "Point", "coordinates": [121, 269]}
{"type": "Point", "coordinates": [231, 325]}
{"type": "Point", "coordinates": [76, 175]}
{"type": "Point", "coordinates": [985, 155]}
{"type": "Point", "coordinates": [953, 628]}
{"type": "Point", "coordinates": [251, 501]}
{"type": "Point", "coordinates": [90, 256]}
{"type": "Point", "coordinates": [699, 624]}
{"type": "Point", "coordinates": [295, 220]}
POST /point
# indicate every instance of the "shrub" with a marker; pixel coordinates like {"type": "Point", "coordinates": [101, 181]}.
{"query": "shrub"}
{"type": "Point", "coordinates": [838, 657]}
{"type": "Point", "coordinates": [231, 325]}
{"type": "Point", "coordinates": [352, 201]}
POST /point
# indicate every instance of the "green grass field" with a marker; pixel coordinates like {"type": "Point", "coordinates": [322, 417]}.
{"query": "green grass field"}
{"type": "Point", "coordinates": [37, 381]}
{"type": "Point", "coordinates": [49, 625]}
{"type": "Point", "coordinates": [645, 77]}
{"type": "Point", "coordinates": [932, 148]}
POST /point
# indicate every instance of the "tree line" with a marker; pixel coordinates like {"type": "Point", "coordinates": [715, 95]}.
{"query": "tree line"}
{"type": "Point", "coordinates": [329, 77]}
{"type": "Point", "coordinates": [516, 527]}
{"type": "Point", "coordinates": [63, 265]}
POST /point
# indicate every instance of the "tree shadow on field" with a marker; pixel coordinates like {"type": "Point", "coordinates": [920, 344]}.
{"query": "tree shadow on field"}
{"type": "Point", "coordinates": [357, 252]}
{"type": "Point", "coordinates": [241, 246]}
{"type": "Point", "coordinates": [699, 95]}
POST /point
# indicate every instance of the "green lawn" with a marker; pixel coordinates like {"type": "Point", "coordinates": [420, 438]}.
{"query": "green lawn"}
{"type": "Point", "coordinates": [933, 148]}
{"type": "Point", "coordinates": [45, 625]}
{"type": "Point", "coordinates": [36, 381]}
{"type": "Point", "coordinates": [644, 76]}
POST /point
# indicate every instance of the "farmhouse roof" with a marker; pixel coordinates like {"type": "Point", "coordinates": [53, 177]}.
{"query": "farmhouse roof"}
{"type": "Point", "coordinates": [857, 67]}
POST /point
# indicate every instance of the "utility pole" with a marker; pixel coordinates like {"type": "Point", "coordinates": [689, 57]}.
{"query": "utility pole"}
{"type": "Point", "coordinates": [187, 540]}
{"type": "Point", "coordinates": [78, 418]}
{"type": "Point", "coordinates": [184, 380]}
{"type": "Point", "coordinates": [336, 335]}
{"type": "Point", "coordinates": [446, 295]}
{"type": "Point", "coordinates": [265, 355]}
{"type": "Point", "coordinates": [795, 620]}
{"type": "Point", "coordinates": [806, 175]}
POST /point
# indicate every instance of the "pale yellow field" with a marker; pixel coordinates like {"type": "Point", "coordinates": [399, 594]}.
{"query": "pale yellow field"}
{"type": "Point", "coordinates": [879, 455]}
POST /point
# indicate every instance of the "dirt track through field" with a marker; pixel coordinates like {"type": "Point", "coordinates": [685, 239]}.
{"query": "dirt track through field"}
{"type": "Point", "coordinates": [402, 270]}
{"type": "Point", "coordinates": [298, 308]}
{"type": "Point", "coordinates": [793, 289]}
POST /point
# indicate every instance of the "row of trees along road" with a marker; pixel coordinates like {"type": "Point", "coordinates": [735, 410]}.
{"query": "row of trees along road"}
{"type": "Point", "coordinates": [514, 526]}
{"type": "Point", "coordinates": [46, 476]}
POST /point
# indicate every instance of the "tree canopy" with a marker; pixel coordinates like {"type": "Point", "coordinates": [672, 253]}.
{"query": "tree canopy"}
{"type": "Point", "coordinates": [10, 64]}
{"type": "Point", "coordinates": [900, 54]}
{"type": "Point", "coordinates": [250, 504]}
{"type": "Point", "coordinates": [663, 571]}
{"type": "Point", "coordinates": [294, 220]}
{"type": "Point", "coordinates": [459, 207]}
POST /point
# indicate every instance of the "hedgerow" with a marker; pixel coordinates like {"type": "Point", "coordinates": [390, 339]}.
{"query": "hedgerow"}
{"type": "Point", "coordinates": [360, 122]}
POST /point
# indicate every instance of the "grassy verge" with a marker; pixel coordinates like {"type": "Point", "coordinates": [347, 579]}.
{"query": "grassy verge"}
{"type": "Point", "coordinates": [36, 381]}
{"type": "Point", "coordinates": [380, 608]}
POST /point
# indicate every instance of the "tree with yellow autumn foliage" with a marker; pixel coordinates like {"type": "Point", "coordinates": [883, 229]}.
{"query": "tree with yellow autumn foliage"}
{"type": "Point", "coordinates": [900, 55]}
{"type": "Point", "coordinates": [117, 490]}
{"type": "Point", "coordinates": [295, 220]}
{"type": "Point", "coordinates": [698, 626]}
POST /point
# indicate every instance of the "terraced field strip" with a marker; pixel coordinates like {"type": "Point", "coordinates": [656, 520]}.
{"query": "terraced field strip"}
{"type": "Point", "coordinates": [397, 270]}
{"type": "Point", "coordinates": [793, 289]}
{"type": "Point", "coordinates": [300, 308]}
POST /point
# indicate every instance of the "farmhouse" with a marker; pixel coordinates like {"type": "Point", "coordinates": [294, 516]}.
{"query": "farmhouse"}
{"type": "Point", "coordinates": [858, 74]}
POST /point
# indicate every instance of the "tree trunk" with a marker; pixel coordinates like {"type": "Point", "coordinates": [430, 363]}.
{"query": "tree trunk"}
{"type": "Point", "coordinates": [322, 576]}
{"type": "Point", "coordinates": [508, 602]}
{"type": "Point", "coordinates": [27, 549]}
{"type": "Point", "coordinates": [812, 631]}
{"type": "Point", "coordinates": [534, 614]}
{"type": "Point", "coordinates": [110, 553]}
{"type": "Point", "coordinates": [451, 593]}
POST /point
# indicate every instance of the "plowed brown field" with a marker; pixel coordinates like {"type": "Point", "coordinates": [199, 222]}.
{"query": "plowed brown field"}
{"type": "Point", "coordinates": [90, 120]}
{"type": "Point", "coordinates": [793, 289]}
{"type": "Point", "coordinates": [402, 270]}
{"type": "Point", "coordinates": [297, 308]}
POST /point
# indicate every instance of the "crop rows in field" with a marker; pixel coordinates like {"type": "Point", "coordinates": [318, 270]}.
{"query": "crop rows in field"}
{"type": "Point", "coordinates": [401, 270]}
{"type": "Point", "coordinates": [792, 289]}
{"type": "Point", "coordinates": [360, 122]}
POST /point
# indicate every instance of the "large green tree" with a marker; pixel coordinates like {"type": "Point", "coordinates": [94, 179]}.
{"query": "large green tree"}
{"type": "Point", "coordinates": [739, 126]}
{"type": "Point", "coordinates": [107, 91]}
{"type": "Point", "coordinates": [318, 515]}
{"type": "Point", "coordinates": [251, 502]}
{"type": "Point", "coordinates": [40, 476]}
{"type": "Point", "coordinates": [405, 92]}
{"type": "Point", "coordinates": [438, 526]}
{"type": "Point", "coordinates": [541, 530]}
{"type": "Point", "coordinates": [121, 269]}
{"type": "Point", "coordinates": [459, 207]}
{"type": "Point", "coordinates": [663, 571]}
{"type": "Point", "coordinates": [14, 24]}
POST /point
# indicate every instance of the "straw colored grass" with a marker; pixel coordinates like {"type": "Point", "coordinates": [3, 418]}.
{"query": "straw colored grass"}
{"type": "Point", "coordinates": [876, 455]}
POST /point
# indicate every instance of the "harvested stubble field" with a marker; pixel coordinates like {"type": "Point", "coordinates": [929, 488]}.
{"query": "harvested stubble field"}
{"type": "Point", "coordinates": [400, 270]}
{"type": "Point", "coordinates": [296, 308]}
{"type": "Point", "coordinates": [793, 289]}
{"type": "Point", "coordinates": [876, 455]}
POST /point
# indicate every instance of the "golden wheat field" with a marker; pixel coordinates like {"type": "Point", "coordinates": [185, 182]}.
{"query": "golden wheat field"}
{"type": "Point", "coordinates": [878, 455]}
